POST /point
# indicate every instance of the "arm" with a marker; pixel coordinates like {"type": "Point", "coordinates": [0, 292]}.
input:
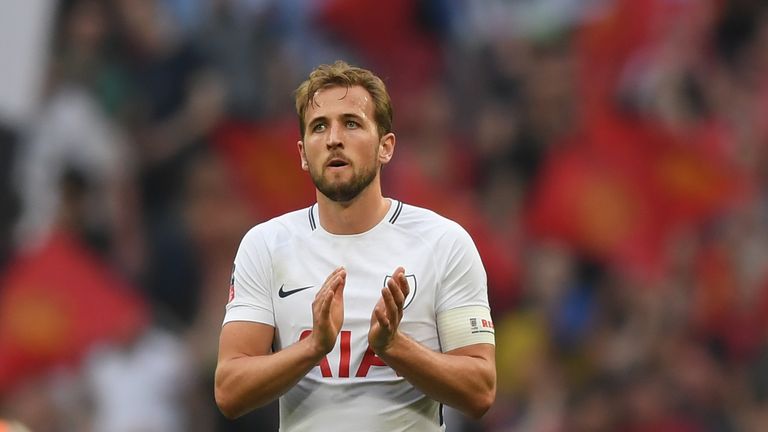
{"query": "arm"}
{"type": "Point", "coordinates": [464, 378]}
{"type": "Point", "coordinates": [248, 375]}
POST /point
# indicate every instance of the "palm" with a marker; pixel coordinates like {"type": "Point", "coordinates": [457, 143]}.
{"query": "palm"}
{"type": "Point", "coordinates": [377, 335]}
{"type": "Point", "coordinates": [337, 312]}
{"type": "Point", "coordinates": [388, 311]}
{"type": "Point", "coordinates": [328, 310]}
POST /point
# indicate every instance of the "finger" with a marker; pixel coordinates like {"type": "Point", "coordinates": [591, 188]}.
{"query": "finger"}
{"type": "Point", "coordinates": [397, 293]}
{"type": "Point", "coordinates": [399, 276]}
{"type": "Point", "coordinates": [398, 271]}
{"type": "Point", "coordinates": [381, 317]}
{"type": "Point", "coordinates": [332, 284]}
{"type": "Point", "coordinates": [332, 275]}
{"type": "Point", "coordinates": [330, 278]}
{"type": "Point", "coordinates": [404, 287]}
{"type": "Point", "coordinates": [340, 281]}
{"type": "Point", "coordinates": [335, 272]}
{"type": "Point", "coordinates": [317, 306]}
{"type": "Point", "coordinates": [390, 306]}
{"type": "Point", "coordinates": [326, 286]}
{"type": "Point", "coordinates": [325, 309]}
{"type": "Point", "coordinates": [317, 303]}
{"type": "Point", "coordinates": [338, 293]}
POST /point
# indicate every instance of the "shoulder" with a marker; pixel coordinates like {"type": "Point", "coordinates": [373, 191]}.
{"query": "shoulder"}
{"type": "Point", "coordinates": [281, 228]}
{"type": "Point", "coordinates": [428, 224]}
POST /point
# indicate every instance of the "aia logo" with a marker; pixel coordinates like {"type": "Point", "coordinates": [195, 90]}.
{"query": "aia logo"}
{"type": "Point", "coordinates": [232, 285]}
{"type": "Point", "coordinates": [369, 358]}
{"type": "Point", "coordinates": [412, 286]}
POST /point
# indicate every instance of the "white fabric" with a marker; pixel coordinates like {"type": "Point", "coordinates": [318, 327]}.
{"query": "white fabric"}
{"type": "Point", "coordinates": [465, 326]}
{"type": "Point", "coordinates": [293, 251]}
{"type": "Point", "coordinates": [140, 388]}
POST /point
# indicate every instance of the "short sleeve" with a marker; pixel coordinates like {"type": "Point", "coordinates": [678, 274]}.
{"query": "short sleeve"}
{"type": "Point", "coordinates": [464, 282]}
{"type": "Point", "coordinates": [250, 293]}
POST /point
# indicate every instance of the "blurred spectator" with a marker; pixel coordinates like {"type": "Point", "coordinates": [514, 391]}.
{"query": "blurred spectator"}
{"type": "Point", "coordinates": [142, 385]}
{"type": "Point", "coordinates": [84, 45]}
{"type": "Point", "coordinates": [73, 135]}
{"type": "Point", "coordinates": [243, 42]}
{"type": "Point", "coordinates": [48, 403]}
{"type": "Point", "coordinates": [177, 101]}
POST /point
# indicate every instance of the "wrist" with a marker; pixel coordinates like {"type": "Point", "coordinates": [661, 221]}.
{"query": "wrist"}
{"type": "Point", "coordinates": [390, 346]}
{"type": "Point", "coordinates": [317, 350]}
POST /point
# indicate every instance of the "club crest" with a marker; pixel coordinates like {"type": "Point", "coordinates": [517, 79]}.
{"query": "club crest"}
{"type": "Point", "coordinates": [412, 285]}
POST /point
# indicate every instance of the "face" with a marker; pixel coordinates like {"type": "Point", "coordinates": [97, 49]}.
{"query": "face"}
{"type": "Point", "coordinates": [342, 149]}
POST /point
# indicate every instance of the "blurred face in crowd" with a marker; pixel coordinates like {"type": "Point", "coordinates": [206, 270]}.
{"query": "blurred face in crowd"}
{"type": "Point", "coordinates": [86, 25]}
{"type": "Point", "coordinates": [342, 149]}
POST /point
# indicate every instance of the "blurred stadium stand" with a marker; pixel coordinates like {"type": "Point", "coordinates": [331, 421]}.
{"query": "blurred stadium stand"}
{"type": "Point", "coordinates": [609, 157]}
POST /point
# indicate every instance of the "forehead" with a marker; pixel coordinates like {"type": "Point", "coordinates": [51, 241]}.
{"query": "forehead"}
{"type": "Point", "coordinates": [334, 101]}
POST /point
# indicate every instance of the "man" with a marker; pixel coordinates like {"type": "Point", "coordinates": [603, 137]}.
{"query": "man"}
{"type": "Point", "coordinates": [360, 313]}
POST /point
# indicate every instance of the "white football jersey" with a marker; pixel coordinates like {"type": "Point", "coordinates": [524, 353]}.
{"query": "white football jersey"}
{"type": "Point", "coordinates": [282, 263]}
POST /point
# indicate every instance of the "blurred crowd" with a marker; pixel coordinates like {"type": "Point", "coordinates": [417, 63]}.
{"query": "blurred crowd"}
{"type": "Point", "coordinates": [609, 157]}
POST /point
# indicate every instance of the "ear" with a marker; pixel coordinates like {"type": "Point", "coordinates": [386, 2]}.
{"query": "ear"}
{"type": "Point", "coordinates": [302, 155]}
{"type": "Point", "coordinates": [386, 148]}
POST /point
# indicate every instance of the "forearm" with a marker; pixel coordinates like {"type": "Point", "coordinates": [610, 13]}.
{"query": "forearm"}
{"type": "Point", "coordinates": [248, 382]}
{"type": "Point", "coordinates": [467, 383]}
{"type": "Point", "coordinates": [249, 376]}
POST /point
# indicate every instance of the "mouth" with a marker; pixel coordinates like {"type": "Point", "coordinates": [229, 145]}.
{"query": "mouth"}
{"type": "Point", "coordinates": [336, 162]}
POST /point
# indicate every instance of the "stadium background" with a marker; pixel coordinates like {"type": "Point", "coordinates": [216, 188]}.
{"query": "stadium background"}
{"type": "Point", "coordinates": [609, 157]}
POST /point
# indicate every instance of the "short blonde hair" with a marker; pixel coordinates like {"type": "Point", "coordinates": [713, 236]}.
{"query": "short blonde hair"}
{"type": "Point", "coordinates": [341, 74]}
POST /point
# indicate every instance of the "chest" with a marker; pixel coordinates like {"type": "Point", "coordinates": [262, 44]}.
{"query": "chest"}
{"type": "Point", "coordinates": [300, 269]}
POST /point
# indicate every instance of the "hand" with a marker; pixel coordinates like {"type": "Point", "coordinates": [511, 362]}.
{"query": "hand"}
{"type": "Point", "coordinates": [328, 311]}
{"type": "Point", "coordinates": [388, 312]}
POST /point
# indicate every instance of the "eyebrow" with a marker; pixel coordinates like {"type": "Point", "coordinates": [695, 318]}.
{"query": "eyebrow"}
{"type": "Point", "coordinates": [351, 116]}
{"type": "Point", "coordinates": [345, 116]}
{"type": "Point", "coordinates": [316, 120]}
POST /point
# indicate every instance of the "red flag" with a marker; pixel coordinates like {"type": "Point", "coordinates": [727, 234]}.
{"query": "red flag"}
{"type": "Point", "coordinates": [265, 165]}
{"type": "Point", "coordinates": [397, 30]}
{"type": "Point", "coordinates": [595, 207]}
{"type": "Point", "coordinates": [57, 302]}
{"type": "Point", "coordinates": [624, 188]}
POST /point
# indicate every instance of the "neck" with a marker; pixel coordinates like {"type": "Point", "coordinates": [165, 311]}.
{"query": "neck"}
{"type": "Point", "coordinates": [356, 216]}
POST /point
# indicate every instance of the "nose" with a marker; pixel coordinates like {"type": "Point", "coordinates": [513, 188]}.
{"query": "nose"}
{"type": "Point", "coordinates": [334, 139]}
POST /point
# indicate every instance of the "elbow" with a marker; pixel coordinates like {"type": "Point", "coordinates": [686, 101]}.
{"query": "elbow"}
{"type": "Point", "coordinates": [480, 404]}
{"type": "Point", "coordinates": [231, 400]}
{"type": "Point", "coordinates": [228, 401]}
{"type": "Point", "coordinates": [226, 404]}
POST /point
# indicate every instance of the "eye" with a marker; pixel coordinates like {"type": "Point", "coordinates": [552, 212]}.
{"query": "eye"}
{"type": "Point", "coordinates": [318, 127]}
{"type": "Point", "coordinates": [351, 124]}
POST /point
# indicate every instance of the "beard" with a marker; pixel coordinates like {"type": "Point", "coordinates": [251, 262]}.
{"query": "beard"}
{"type": "Point", "coordinates": [344, 191]}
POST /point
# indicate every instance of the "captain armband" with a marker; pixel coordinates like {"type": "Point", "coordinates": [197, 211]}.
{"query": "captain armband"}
{"type": "Point", "coordinates": [464, 326]}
